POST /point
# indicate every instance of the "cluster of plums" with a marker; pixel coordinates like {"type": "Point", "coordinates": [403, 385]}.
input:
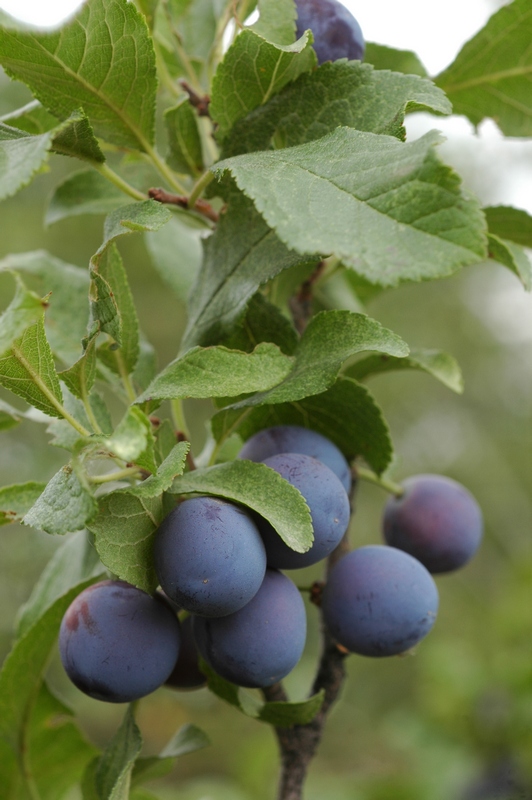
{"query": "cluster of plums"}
{"type": "Point", "coordinates": [246, 618]}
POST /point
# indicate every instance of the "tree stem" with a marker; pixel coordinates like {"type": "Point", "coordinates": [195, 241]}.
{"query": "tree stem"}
{"type": "Point", "coordinates": [119, 182]}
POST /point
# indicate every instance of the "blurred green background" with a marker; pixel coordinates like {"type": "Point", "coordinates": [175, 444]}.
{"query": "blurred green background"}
{"type": "Point", "coordinates": [454, 720]}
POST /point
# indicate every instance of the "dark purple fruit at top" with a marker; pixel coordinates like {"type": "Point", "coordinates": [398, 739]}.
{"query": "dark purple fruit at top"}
{"type": "Point", "coordinates": [436, 520]}
{"type": "Point", "coordinates": [260, 644]}
{"type": "Point", "coordinates": [328, 504]}
{"type": "Point", "coordinates": [186, 673]}
{"type": "Point", "coordinates": [209, 556]}
{"type": "Point", "coordinates": [118, 643]}
{"type": "Point", "coordinates": [336, 32]}
{"type": "Point", "coordinates": [294, 439]}
{"type": "Point", "coordinates": [379, 601]}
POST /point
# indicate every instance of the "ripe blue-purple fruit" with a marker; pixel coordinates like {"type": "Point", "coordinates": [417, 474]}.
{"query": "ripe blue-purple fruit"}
{"type": "Point", "coordinates": [436, 520]}
{"type": "Point", "coordinates": [328, 504]}
{"type": "Point", "coordinates": [336, 32]}
{"type": "Point", "coordinates": [379, 601]}
{"type": "Point", "coordinates": [118, 643]}
{"type": "Point", "coordinates": [295, 439]}
{"type": "Point", "coordinates": [209, 556]}
{"type": "Point", "coordinates": [186, 673]}
{"type": "Point", "coordinates": [260, 644]}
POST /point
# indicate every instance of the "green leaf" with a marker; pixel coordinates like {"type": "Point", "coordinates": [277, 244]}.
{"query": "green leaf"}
{"type": "Point", "coordinates": [490, 76]}
{"type": "Point", "coordinates": [9, 416]}
{"type": "Point", "coordinates": [22, 670]}
{"type": "Point", "coordinates": [124, 529]}
{"type": "Point", "coordinates": [81, 375]}
{"type": "Point", "coordinates": [260, 488]}
{"type": "Point", "coordinates": [194, 22]}
{"type": "Point", "coordinates": [85, 192]}
{"type": "Point", "coordinates": [263, 323]}
{"type": "Point", "coordinates": [76, 139]}
{"type": "Point", "coordinates": [184, 139]}
{"type": "Point", "coordinates": [330, 338]}
{"type": "Point", "coordinates": [58, 752]}
{"type": "Point", "coordinates": [176, 253]}
{"type": "Point", "coordinates": [513, 256]}
{"type": "Point", "coordinates": [21, 156]}
{"type": "Point", "coordinates": [112, 774]}
{"type": "Point", "coordinates": [277, 21]}
{"type": "Point", "coordinates": [113, 307]}
{"type": "Point", "coordinates": [341, 93]}
{"type": "Point", "coordinates": [391, 211]}
{"type": "Point", "coordinates": [280, 714]}
{"type": "Point", "coordinates": [510, 223]}
{"type": "Point", "coordinates": [68, 312]}
{"type": "Point", "coordinates": [32, 118]}
{"type": "Point", "coordinates": [133, 439]}
{"type": "Point", "coordinates": [440, 365]}
{"type": "Point", "coordinates": [346, 414]}
{"type": "Point", "coordinates": [188, 739]}
{"type": "Point", "coordinates": [172, 466]}
{"type": "Point", "coordinates": [219, 372]}
{"type": "Point", "coordinates": [148, 215]}
{"type": "Point", "coordinates": [73, 562]}
{"type": "Point", "coordinates": [23, 311]}
{"type": "Point", "coordinates": [64, 435]}
{"type": "Point", "coordinates": [17, 499]}
{"type": "Point", "coordinates": [241, 255]}
{"type": "Point", "coordinates": [66, 504]}
{"type": "Point", "coordinates": [383, 57]}
{"type": "Point", "coordinates": [102, 59]}
{"type": "Point", "coordinates": [253, 70]}
{"type": "Point", "coordinates": [28, 370]}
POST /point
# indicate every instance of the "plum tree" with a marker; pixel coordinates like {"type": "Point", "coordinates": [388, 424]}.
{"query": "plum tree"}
{"type": "Point", "coordinates": [186, 673]}
{"type": "Point", "coordinates": [328, 504]}
{"type": "Point", "coordinates": [260, 644]}
{"type": "Point", "coordinates": [118, 643]}
{"type": "Point", "coordinates": [379, 601]}
{"type": "Point", "coordinates": [209, 556]}
{"type": "Point", "coordinates": [436, 520]}
{"type": "Point", "coordinates": [295, 439]}
{"type": "Point", "coordinates": [337, 33]}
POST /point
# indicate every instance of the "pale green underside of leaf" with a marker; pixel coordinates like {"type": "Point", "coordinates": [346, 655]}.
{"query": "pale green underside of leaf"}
{"type": "Point", "coordinates": [148, 215]}
{"type": "Point", "coordinates": [391, 211]}
{"type": "Point", "coordinates": [280, 714]}
{"type": "Point", "coordinates": [492, 74]}
{"type": "Point", "coordinates": [219, 372]}
{"type": "Point", "coordinates": [101, 60]}
{"type": "Point", "coordinates": [17, 499]}
{"type": "Point", "coordinates": [124, 529]}
{"type": "Point", "coordinates": [176, 254]}
{"type": "Point", "coordinates": [133, 439]}
{"type": "Point", "coordinates": [85, 192]}
{"type": "Point", "coordinates": [27, 369]}
{"type": "Point", "coordinates": [346, 414]}
{"type": "Point", "coordinates": [347, 94]}
{"type": "Point", "coordinates": [9, 416]}
{"type": "Point", "coordinates": [241, 255]}
{"type": "Point", "coordinates": [383, 57]}
{"type": "Point", "coordinates": [253, 70]}
{"type": "Point", "coordinates": [65, 506]}
{"type": "Point", "coordinates": [277, 21]}
{"type": "Point", "coordinates": [25, 309]}
{"type": "Point", "coordinates": [510, 223]}
{"type": "Point", "coordinates": [513, 256]}
{"type": "Point", "coordinates": [68, 313]}
{"type": "Point", "coordinates": [80, 377]}
{"type": "Point", "coordinates": [260, 488]}
{"type": "Point", "coordinates": [440, 365]}
{"type": "Point", "coordinates": [32, 118]}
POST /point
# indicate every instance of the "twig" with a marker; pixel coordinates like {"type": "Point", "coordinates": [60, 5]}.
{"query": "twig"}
{"type": "Point", "coordinates": [301, 303]}
{"type": "Point", "coordinates": [201, 206]}
{"type": "Point", "coordinates": [201, 104]}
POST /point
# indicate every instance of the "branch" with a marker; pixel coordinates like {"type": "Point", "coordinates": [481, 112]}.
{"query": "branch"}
{"type": "Point", "coordinates": [201, 206]}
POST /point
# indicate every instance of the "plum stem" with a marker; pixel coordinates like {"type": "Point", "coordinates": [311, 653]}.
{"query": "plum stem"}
{"type": "Point", "coordinates": [385, 483]}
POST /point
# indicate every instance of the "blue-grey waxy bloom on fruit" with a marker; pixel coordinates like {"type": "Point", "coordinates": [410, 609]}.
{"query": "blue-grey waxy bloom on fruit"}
{"type": "Point", "coordinates": [336, 32]}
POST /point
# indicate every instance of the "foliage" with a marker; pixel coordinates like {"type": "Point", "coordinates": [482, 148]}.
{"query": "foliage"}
{"type": "Point", "coordinates": [279, 177]}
